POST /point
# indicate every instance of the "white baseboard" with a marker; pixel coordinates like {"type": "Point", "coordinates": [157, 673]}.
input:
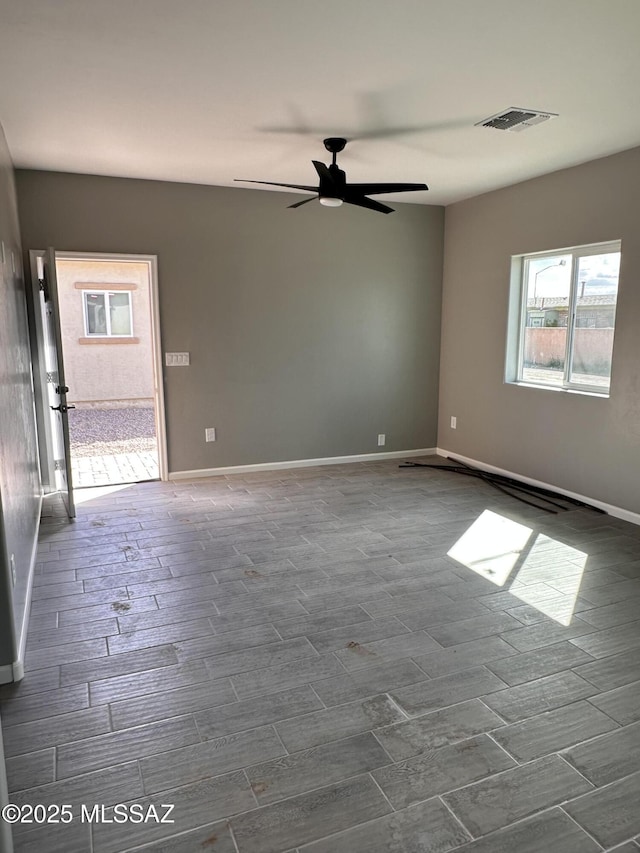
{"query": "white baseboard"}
{"type": "Point", "coordinates": [15, 671]}
{"type": "Point", "coordinates": [610, 509]}
{"type": "Point", "coordinates": [12, 672]}
{"type": "Point", "coordinates": [300, 463]}
{"type": "Point", "coordinates": [6, 674]}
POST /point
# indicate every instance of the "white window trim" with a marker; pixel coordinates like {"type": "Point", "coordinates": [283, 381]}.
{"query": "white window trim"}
{"type": "Point", "coordinates": [517, 318]}
{"type": "Point", "coordinates": [107, 295]}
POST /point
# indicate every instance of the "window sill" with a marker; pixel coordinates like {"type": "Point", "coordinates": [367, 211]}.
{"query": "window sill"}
{"type": "Point", "coordinates": [587, 392]}
{"type": "Point", "coordinates": [107, 340]}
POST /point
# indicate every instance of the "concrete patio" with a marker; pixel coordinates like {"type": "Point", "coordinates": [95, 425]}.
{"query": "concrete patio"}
{"type": "Point", "coordinates": [113, 445]}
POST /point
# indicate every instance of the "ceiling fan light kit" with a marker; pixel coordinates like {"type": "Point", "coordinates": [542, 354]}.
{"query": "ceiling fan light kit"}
{"type": "Point", "coordinates": [333, 189]}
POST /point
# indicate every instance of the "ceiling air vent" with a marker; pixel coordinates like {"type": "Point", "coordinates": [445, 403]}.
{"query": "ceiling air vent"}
{"type": "Point", "coordinates": [515, 119]}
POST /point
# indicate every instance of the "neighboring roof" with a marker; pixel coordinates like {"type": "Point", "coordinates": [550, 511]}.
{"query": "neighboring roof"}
{"type": "Point", "coordinates": [563, 301]}
{"type": "Point", "coordinates": [205, 91]}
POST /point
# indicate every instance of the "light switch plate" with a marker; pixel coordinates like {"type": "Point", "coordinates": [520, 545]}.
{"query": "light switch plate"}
{"type": "Point", "coordinates": [176, 359]}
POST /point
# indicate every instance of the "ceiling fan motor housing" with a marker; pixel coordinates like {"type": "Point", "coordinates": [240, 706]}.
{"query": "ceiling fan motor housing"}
{"type": "Point", "coordinates": [334, 188]}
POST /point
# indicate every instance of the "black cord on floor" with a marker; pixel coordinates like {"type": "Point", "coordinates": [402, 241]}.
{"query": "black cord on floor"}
{"type": "Point", "coordinates": [544, 497]}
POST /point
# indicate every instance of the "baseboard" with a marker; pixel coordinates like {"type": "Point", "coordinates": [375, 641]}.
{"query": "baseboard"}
{"type": "Point", "coordinates": [300, 463]}
{"type": "Point", "coordinates": [12, 672]}
{"type": "Point", "coordinates": [6, 674]}
{"type": "Point", "coordinates": [610, 509]}
{"type": "Point", "coordinates": [15, 671]}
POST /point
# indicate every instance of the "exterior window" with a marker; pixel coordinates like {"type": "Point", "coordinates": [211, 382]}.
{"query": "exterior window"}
{"type": "Point", "coordinates": [566, 317]}
{"type": "Point", "coordinates": [107, 314]}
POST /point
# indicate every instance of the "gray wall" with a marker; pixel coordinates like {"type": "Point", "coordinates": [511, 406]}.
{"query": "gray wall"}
{"type": "Point", "coordinates": [19, 477]}
{"type": "Point", "coordinates": [584, 444]}
{"type": "Point", "coordinates": [6, 842]}
{"type": "Point", "coordinates": [310, 331]}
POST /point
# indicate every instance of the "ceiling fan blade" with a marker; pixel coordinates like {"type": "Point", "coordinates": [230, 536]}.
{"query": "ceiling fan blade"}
{"type": "Point", "coordinates": [304, 201]}
{"type": "Point", "coordinates": [363, 201]}
{"type": "Point", "coordinates": [373, 189]}
{"type": "Point", "coordinates": [275, 184]}
{"type": "Point", "coordinates": [375, 132]}
{"type": "Point", "coordinates": [390, 132]}
{"type": "Point", "coordinates": [323, 171]}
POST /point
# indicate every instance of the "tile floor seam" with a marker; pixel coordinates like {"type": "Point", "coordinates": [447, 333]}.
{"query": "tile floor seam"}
{"type": "Point", "coordinates": [206, 739]}
{"type": "Point", "coordinates": [277, 733]}
{"type": "Point", "coordinates": [598, 788]}
{"type": "Point", "coordinates": [503, 772]}
{"type": "Point", "coordinates": [358, 775]}
{"type": "Point", "coordinates": [404, 625]}
{"type": "Point", "coordinates": [233, 835]}
{"type": "Point", "coordinates": [497, 713]}
{"type": "Point", "coordinates": [440, 798]}
{"type": "Point", "coordinates": [140, 777]}
{"type": "Point", "coordinates": [398, 706]}
{"type": "Point", "coordinates": [579, 825]}
{"type": "Point", "coordinates": [613, 719]}
{"type": "Point", "coordinates": [232, 685]}
{"type": "Point", "coordinates": [282, 639]}
{"type": "Point", "coordinates": [386, 752]}
{"type": "Point", "coordinates": [376, 783]}
{"type": "Point", "coordinates": [324, 707]}
{"type": "Point", "coordinates": [575, 769]}
{"type": "Point", "coordinates": [246, 776]}
{"type": "Point", "coordinates": [322, 837]}
{"type": "Point", "coordinates": [593, 739]}
{"type": "Point", "coordinates": [509, 754]}
{"type": "Point", "coordinates": [450, 704]}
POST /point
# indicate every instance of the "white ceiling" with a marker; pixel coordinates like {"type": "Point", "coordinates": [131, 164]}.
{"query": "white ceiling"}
{"type": "Point", "coordinates": [205, 91]}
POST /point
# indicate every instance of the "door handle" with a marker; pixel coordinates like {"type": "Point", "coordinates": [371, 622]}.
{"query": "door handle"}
{"type": "Point", "coordinates": [61, 408]}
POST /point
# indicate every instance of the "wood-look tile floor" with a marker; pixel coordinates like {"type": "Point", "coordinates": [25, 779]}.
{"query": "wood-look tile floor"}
{"type": "Point", "coordinates": [349, 659]}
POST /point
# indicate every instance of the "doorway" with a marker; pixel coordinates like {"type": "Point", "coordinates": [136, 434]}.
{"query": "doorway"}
{"type": "Point", "coordinates": [108, 315]}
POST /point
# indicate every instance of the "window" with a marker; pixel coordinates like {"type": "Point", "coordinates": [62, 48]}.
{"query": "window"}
{"type": "Point", "coordinates": [562, 318]}
{"type": "Point", "coordinates": [107, 314]}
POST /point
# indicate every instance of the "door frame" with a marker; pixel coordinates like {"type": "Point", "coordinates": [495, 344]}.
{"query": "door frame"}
{"type": "Point", "coordinates": [43, 423]}
{"type": "Point", "coordinates": [156, 345]}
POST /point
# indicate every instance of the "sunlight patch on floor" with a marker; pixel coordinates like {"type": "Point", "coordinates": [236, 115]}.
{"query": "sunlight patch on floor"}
{"type": "Point", "coordinates": [500, 550]}
{"type": "Point", "coordinates": [84, 495]}
{"type": "Point", "coordinates": [550, 560]}
{"type": "Point", "coordinates": [492, 546]}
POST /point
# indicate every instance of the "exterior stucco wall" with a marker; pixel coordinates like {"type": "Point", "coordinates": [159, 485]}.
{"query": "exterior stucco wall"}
{"type": "Point", "coordinates": [120, 368]}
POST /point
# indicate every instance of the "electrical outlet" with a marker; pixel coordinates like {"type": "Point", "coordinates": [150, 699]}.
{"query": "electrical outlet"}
{"type": "Point", "coordinates": [454, 422]}
{"type": "Point", "coordinates": [210, 434]}
{"type": "Point", "coordinates": [381, 439]}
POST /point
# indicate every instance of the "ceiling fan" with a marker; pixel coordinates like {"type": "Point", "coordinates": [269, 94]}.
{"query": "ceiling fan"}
{"type": "Point", "coordinates": [333, 188]}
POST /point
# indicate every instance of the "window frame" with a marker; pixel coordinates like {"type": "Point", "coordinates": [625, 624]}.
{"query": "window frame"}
{"type": "Point", "coordinates": [107, 296]}
{"type": "Point", "coordinates": [516, 336]}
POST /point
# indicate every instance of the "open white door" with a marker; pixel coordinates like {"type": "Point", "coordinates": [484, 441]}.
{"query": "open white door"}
{"type": "Point", "coordinates": [54, 398]}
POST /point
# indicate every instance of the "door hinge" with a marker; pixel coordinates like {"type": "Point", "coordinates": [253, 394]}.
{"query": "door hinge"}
{"type": "Point", "coordinates": [52, 376]}
{"type": "Point", "coordinates": [44, 287]}
{"type": "Point", "coordinates": [59, 465]}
